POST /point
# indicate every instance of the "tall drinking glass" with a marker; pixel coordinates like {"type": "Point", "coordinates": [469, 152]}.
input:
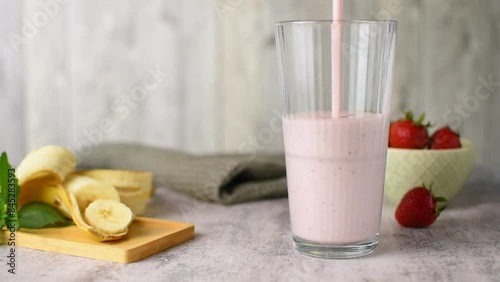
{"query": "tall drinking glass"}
{"type": "Point", "coordinates": [336, 87]}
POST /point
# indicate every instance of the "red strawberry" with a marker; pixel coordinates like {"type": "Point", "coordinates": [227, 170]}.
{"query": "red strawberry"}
{"type": "Point", "coordinates": [408, 134]}
{"type": "Point", "coordinates": [445, 138]}
{"type": "Point", "coordinates": [418, 208]}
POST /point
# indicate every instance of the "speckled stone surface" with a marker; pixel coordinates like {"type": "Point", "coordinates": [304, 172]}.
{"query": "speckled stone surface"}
{"type": "Point", "coordinates": [252, 242]}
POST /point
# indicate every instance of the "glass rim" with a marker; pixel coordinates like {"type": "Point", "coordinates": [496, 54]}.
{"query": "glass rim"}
{"type": "Point", "coordinates": [309, 22]}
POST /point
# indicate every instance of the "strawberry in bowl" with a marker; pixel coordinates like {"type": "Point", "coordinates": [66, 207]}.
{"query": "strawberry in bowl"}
{"type": "Point", "coordinates": [407, 133]}
{"type": "Point", "coordinates": [445, 159]}
{"type": "Point", "coordinates": [445, 138]}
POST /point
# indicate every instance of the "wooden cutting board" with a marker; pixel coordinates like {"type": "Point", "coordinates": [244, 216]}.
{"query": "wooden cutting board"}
{"type": "Point", "coordinates": [146, 237]}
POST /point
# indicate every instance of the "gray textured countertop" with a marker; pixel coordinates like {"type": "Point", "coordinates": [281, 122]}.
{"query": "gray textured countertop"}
{"type": "Point", "coordinates": [252, 242]}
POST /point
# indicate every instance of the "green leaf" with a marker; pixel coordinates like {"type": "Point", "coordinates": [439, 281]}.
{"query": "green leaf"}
{"type": "Point", "coordinates": [37, 215]}
{"type": "Point", "coordinates": [4, 176]}
{"type": "Point", "coordinates": [9, 205]}
{"type": "Point", "coordinates": [2, 212]}
{"type": "Point", "coordinates": [2, 208]}
{"type": "Point", "coordinates": [4, 172]}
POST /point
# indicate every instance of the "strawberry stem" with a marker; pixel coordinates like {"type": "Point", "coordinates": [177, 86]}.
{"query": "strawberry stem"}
{"type": "Point", "coordinates": [409, 115]}
{"type": "Point", "coordinates": [421, 119]}
{"type": "Point", "coordinates": [441, 200]}
{"type": "Point", "coordinates": [420, 122]}
{"type": "Point", "coordinates": [430, 188]}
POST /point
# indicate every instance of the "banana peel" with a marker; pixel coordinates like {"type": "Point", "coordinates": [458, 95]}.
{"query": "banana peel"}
{"type": "Point", "coordinates": [49, 164]}
{"type": "Point", "coordinates": [40, 174]}
{"type": "Point", "coordinates": [52, 194]}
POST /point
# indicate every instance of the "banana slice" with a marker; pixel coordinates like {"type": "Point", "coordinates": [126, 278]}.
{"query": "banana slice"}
{"type": "Point", "coordinates": [136, 201]}
{"type": "Point", "coordinates": [96, 233]}
{"type": "Point", "coordinates": [122, 179]}
{"type": "Point", "coordinates": [108, 216]}
{"type": "Point", "coordinates": [88, 190]}
{"type": "Point", "coordinates": [49, 164]}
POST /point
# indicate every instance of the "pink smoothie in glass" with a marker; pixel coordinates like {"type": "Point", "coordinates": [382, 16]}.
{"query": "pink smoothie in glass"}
{"type": "Point", "coordinates": [335, 171]}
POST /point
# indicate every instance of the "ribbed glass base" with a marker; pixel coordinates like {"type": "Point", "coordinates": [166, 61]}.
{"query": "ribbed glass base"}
{"type": "Point", "coordinates": [328, 251]}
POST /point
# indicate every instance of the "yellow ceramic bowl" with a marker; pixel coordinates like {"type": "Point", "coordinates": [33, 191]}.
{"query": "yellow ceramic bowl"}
{"type": "Point", "coordinates": [446, 170]}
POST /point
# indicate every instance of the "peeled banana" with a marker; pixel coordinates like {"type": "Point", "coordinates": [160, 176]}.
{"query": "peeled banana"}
{"type": "Point", "coordinates": [91, 198]}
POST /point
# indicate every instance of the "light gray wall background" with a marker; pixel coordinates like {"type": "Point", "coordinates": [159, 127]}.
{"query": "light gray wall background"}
{"type": "Point", "coordinates": [66, 67]}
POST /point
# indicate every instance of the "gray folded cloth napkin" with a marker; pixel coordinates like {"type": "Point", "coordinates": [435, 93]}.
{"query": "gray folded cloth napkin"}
{"type": "Point", "coordinates": [222, 178]}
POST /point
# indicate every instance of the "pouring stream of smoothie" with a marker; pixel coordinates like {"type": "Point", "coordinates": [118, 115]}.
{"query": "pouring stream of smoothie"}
{"type": "Point", "coordinates": [338, 14]}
